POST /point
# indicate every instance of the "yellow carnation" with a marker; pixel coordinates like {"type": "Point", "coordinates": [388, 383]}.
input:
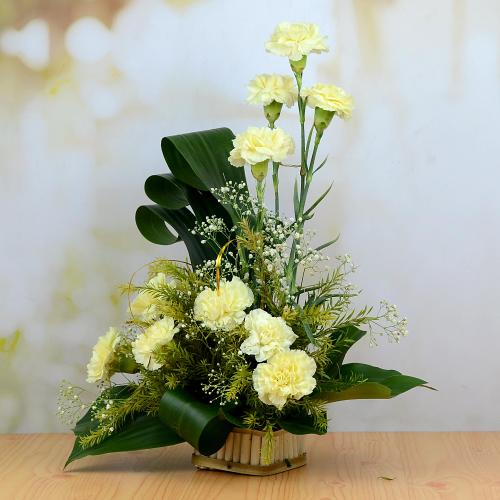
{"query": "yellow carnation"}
{"type": "Point", "coordinates": [257, 145]}
{"type": "Point", "coordinates": [159, 333]}
{"type": "Point", "coordinates": [288, 374]}
{"type": "Point", "coordinates": [265, 89]}
{"type": "Point", "coordinates": [329, 98]}
{"type": "Point", "coordinates": [103, 354]}
{"type": "Point", "coordinates": [145, 306]}
{"type": "Point", "coordinates": [267, 335]}
{"type": "Point", "coordinates": [223, 309]}
{"type": "Point", "coordinates": [295, 40]}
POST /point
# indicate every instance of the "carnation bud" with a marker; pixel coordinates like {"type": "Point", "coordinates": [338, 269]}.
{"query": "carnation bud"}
{"type": "Point", "coordinates": [259, 170]}
{"type": "Point", "coordinates": [322, 119]}
{"type": "Point", "coordinates": [272, 112]}
{"type": "Point", "coordinates": [298, 66]}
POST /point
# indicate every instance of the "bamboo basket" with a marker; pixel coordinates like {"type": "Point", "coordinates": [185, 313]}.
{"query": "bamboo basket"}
{"type": "Point", "coordinates": [242, 454]}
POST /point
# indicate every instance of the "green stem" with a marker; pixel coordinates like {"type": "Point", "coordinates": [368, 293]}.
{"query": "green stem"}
{"type": "Point", "coordinates": [292, 266]}
{"type": "Point", "coordinates": [260, 188]}
{"type": "Point", "coordinates": [302, 118]}
{"type": "Point", "coordinates": [276, 181]}
{"type": "Point", "coordinates": [309, 137]}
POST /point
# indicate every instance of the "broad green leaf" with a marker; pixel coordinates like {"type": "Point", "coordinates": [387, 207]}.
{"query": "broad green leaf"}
{"type": "Point", "coordinates": [86, 424]}
{"type": "Point", "coordinates": [372, 373]}
{"type": "Point", "coordinates": [378, 384]}
{"type": "Point", "coordinates": [200, 159]}
{"type": "Point", "coordinates": [167, 191]}
{"type": "Point", "coordinates": [152, 226]}
{"type": "Point", "coordinates": [198, 162]}
{"type": "Point", "coordinates": [300, 425]}
{"type": "Point", "coordinates": [365, 390]}
{"type": "Point", "coordinates": [200, 424]}
{"type": "Point", "coordinates": [151, 221]}
{"type": "Point", "coordinates": [236, 420]}
{"type": "Point", "coordinates": [142, 432]}
{"type": "Point", "coordinates": [345, 338]}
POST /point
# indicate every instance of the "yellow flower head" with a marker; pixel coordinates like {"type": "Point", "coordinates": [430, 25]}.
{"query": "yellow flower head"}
{"type": "Point", "coordinates": [295, 40]}
{"type": "Point", "coordinates": [257, 145]}
{"type": "Point", "coordinates": [288, 374]}
{"type": "Point", "coordinates": [264, 89]}
{"type": "Point", "coordinates": [159, 333]}
{"type": "Point", "coordinates": [223, 309]}
{"type": "Point", "coordinates": [329, 98]}
{"type": "Point", "coordinates": [267, 335]}
{"type": "Point", "coordinates": [145, 305]}
{"type": "Point", "coordinates": [103, 354]}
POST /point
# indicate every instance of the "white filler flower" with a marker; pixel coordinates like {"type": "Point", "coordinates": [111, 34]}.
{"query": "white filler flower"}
{"type": "Point", "coordinates": [159, 333]}
{"type": "Point", "coordinates": [268, 335]}
{"type": "Point", "coordinates": [288, 374]}
{"type": "Point", "coordinates": [264, 89]}
{"type": "Point", "coordinates": [223, 309]}
{"type": "Point", "coordinates": [256, 145]}
{"type": "Point", "coordinates": [102, 356]}
{"type": "Point", "coordinates": [295, 40]}
{"type": "Point", "coordinates": [145, 306]}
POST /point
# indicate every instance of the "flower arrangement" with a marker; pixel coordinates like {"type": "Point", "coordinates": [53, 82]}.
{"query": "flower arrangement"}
{"type": "Point", "coordinates": [251, 332]}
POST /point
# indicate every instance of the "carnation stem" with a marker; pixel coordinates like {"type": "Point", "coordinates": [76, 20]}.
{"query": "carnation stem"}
{"type": "Point", "coordinates": [276, 181]}
{"type": "Point", "coordinates": [292, 265]}
{"type": "Point", "coordinates": [302, 117]}
{"type": "Point", "coordinates": [260, 188]}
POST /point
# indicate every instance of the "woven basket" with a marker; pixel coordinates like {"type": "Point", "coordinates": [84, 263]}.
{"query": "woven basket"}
{"type": "Point", "coordinates": [242, 453]}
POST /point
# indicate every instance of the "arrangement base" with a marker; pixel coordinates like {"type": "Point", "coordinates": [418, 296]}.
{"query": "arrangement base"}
{"type": "Point", "coordinates": [203, 462]}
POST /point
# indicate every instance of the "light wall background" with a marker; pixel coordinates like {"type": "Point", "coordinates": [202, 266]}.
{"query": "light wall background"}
{"type": "Point", "coordinates": [416, 199]}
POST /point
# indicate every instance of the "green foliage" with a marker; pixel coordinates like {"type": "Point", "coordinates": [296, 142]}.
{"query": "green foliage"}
{"type": "Point", "coordinates": [141, 432]}
{"type": "Point", "coordinates": [198, 162]}
{"type": "Point", "coordinates": [366, 382]}
{"type": "Point", "coordinates": [202, 425]}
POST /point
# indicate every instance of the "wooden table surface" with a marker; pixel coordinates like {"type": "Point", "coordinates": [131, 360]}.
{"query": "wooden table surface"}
{"type": "Point", "coordinates": [455, 465]}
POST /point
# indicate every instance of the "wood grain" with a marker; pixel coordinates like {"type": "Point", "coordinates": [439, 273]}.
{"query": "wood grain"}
{"type": "Point", "coordinates": [340, 466]}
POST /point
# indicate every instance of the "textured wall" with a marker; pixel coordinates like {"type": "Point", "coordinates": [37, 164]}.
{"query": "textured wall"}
{"type": "Point", "coordinates": [83, 108]}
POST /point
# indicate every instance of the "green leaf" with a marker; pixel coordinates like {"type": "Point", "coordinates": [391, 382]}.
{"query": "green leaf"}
{"type": "Point", "coordinates": [151, 223]}
{"type": "Point", "coordinates": [300, 425]}
{"type": "Point", "coordinates": [345, 338]}
{"type": "Point", "coordinates": [321, 165]}
{"type": "Point", "coordinates": [142, 432]}
{"type": "Point", "coordinates": [200, 159]}
{"type": "Point", "coordinates": [327, 244]}
{"type": "Point", "coordinates": [372, 373]}
{"type": "Point", "coordinates": [86, 424]}
{"type": "Point", "coordinates": [318, 201]}
{"type": "Point", "coordinates": [309, 332]}
{"type": "Point", "coordinates": [378, 384]}
{"type": "Point", "coordinates": [198, 162]}
{"type": "Point", "coordinates": [200, 424]}
{"type": "Point", "coordinates": [366, 390]}
{"type": "Point", "coordinates": [236, 420]}
{"type": "Point", "coordinates": [167, 191]}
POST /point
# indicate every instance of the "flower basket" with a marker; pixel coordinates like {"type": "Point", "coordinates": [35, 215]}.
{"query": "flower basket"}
{"type": "Point", "coordinates": [244, 453]}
